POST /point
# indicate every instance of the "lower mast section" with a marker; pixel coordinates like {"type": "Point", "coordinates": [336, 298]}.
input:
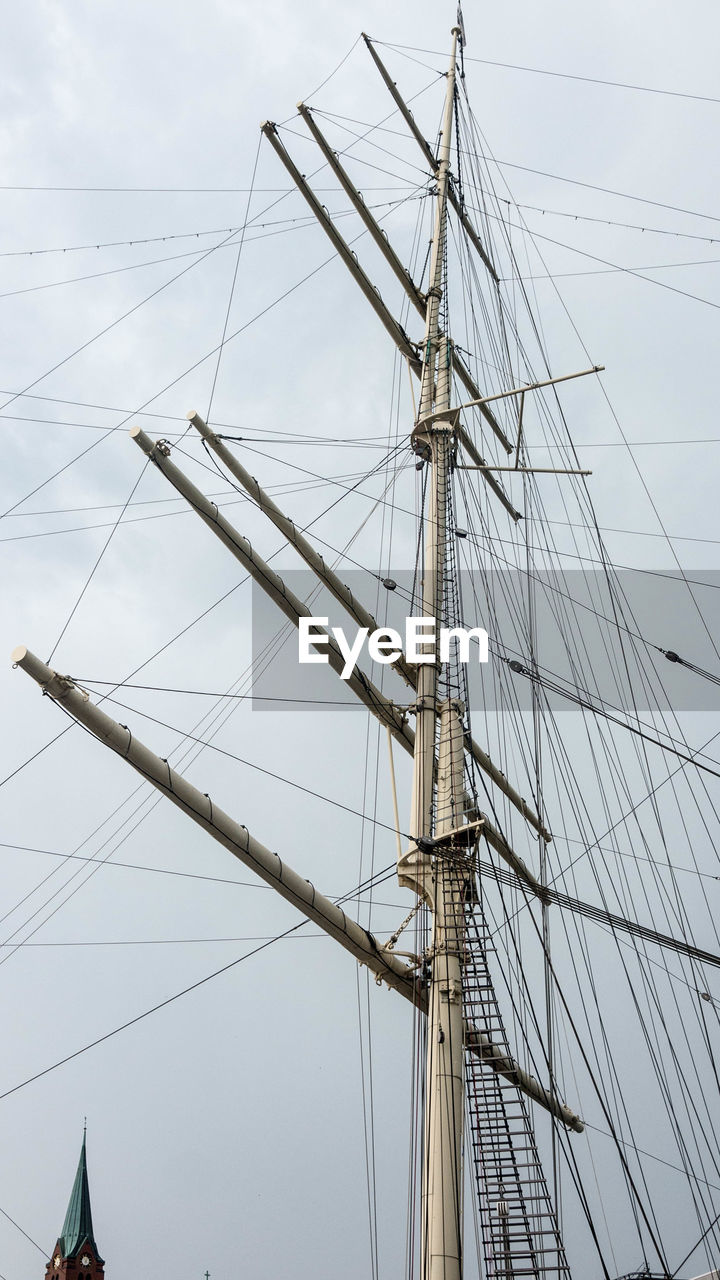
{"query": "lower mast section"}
{"type": "Point", "coordinates": [451, 881]}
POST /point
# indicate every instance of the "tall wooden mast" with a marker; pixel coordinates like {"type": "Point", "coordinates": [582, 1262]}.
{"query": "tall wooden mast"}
{"type": "Point", "coordinates": [434, 864]}
{"type": "Point", "coordinates": [444, 825]}
{"type": "Point", "coordinates": [432, 438]}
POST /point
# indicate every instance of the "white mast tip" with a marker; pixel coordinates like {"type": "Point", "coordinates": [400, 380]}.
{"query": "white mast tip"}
{"type": "Point", "coordinates": [135, 432]}
{"type": "Point", "coordinates": [18, 654]}
{"type": "Point", "coordinates": [192, 414]}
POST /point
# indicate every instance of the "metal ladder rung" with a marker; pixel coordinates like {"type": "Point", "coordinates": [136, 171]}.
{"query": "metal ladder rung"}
{"type": "Point", "coordinates": [525, 1241]}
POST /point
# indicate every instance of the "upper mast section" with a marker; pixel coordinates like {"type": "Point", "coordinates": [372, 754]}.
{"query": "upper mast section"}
{"type": "Point", "coordinates": [433, 438]}
{"type": "Point", "coordinates": [437, 366]}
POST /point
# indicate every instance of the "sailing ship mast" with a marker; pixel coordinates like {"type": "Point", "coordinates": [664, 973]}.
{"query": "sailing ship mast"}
{"type": "Point", "coordinates": [471, 1069]}
{"type": "Point", "coordinates": [445, 828]}
{"type": "Point", "coordinates": [441, 877]}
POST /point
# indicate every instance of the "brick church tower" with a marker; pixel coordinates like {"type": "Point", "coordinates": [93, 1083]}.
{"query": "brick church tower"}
{"type": "Point", "coordinates": [76, 1255]}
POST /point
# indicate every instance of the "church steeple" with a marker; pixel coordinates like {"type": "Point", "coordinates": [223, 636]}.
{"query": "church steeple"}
{"type": "Point", "coordinates": [76, 1254]}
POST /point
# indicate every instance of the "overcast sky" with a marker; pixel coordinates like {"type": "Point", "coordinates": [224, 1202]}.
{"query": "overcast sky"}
{"type": "Point", "coordinates": [225, 1132]}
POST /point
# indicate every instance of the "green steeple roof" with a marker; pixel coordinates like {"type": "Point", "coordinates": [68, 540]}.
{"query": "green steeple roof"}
{"type": "Point", "coordinates": [77, 1227]}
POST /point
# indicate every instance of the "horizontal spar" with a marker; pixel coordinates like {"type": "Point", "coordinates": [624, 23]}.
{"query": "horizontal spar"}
{"type": "Point", "coordinates": [199, 806]}
{"type": "Point", "coordinates": [270, 868]}
{"type": "Point", "coordinates": [271, 582]}
{"type": "Point", "coordinates": [417, 298]}
{"type": "Point", "coordinates": [302, 545]}
{"type": "Point", "coordinates": [533, 386]}
{"type": "Point", "coordinates": [396, 331]}
{"type": "Point", "coordinates": [426, 149]}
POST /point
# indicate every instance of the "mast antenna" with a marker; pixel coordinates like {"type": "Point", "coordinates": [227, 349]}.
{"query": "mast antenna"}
{"type": "Point", "coordinates": [462, 40]}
